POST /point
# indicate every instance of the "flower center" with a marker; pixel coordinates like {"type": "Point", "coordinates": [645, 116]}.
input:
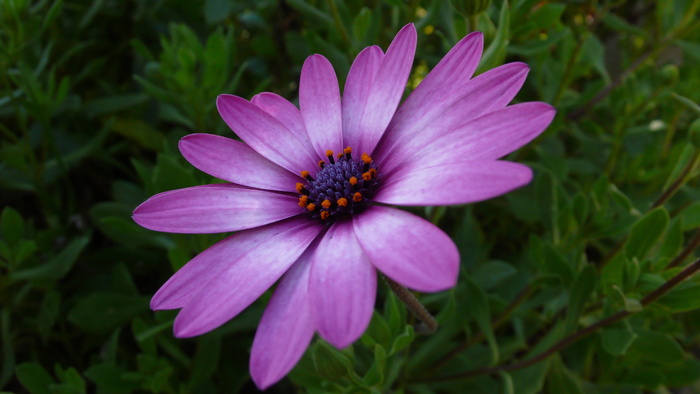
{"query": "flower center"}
{"type": "Point", "coordinates": [341, 188]}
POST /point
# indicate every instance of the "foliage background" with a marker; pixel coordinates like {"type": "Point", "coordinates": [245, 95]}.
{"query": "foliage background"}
{"type": "Point", "coordinates": [94, 96]}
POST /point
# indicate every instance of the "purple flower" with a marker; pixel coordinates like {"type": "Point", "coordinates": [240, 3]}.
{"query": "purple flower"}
{"type": "Point", "coordinates": [311, 194]}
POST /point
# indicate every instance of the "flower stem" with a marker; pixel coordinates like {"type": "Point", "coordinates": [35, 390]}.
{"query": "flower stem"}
{"type": "Point", "coordinates": [428, 323]}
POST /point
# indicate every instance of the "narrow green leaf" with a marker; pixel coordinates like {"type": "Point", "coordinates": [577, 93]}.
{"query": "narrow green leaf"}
{"type": "Point", "coordinates": [479, 309]}
{"type": "Point", "coordinates": [616, 339]}
{"type": "Point", "coordinates": [685, 297]}
{"type": "Point", "coordinates": [581, 291]}
{"type": "Point", "coordinates": [496, 51]}
{"type": "Point", "coordinates": [34, 378]}
{"type": "Point", "coordinates": [58, 266]}
{"type": "Point", "coordinates": [645, 233]}
{"type": "Point", "coordinates": [11, 226]}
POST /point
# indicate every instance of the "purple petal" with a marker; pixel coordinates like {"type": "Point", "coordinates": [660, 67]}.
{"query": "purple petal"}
{"type": "Point", "coordinates": [356, 92]}
{"type": "Point", "coordinates": [246, 276]}
{"type": "Point", "coordinates": [235, 162]}
{"type": "Point", "coordinates": [284, 111]}
{"type": "Point", "coordinates": [213, 209]}
{"type": "Point", "coordinates": [408, 249]}
{"type": "Point", "coordinates": [455, 182]}
{"type": "Point", "coordinates": [187, 281]}
{"type": "Point", "coordinates": [319, 99]}
{"type": "Point", "coordinates": [342, 286]}
{"type": "Point", "coordinates": [486, 93]}
{"type": "Point", "coordinates": [265, 134]}
{"type": "Point", "coordinates": [286, 327]}
{"type": "Point", "coordinates": [488, 137]}
{"type": "Point", "coordinates": [386, 90]}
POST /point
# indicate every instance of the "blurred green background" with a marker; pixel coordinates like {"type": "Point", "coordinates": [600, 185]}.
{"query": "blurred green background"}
{"type": "Point", "coordinates": [94, 96]}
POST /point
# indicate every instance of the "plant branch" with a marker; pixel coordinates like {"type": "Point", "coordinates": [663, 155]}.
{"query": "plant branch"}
{"type": "Point", "coordinates": [563, 343]}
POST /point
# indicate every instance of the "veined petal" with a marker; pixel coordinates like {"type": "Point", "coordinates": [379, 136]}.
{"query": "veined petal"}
{"type": "Point", "coordinates": [342, 286]}
{"type": "Point", "coordinates": [235, 162]}
{"type": "Point", "coordinates": [265, 134]}
{"type": "Point", "coordinates": [284, 111]}
{"type": "Point", "coordinates": [215, 208]}
{"type": "Point", "coordinates": [408, 249]}
{"type": "Point", "coordinates": [319, 99]}
{"type": "Point", "coordinates": [286, 327]}
{"type": "Point", "coordinates": [411, 130]}
{"type": "Point", "coordinates": [249, 274]}
{"type": "Point", "coordinates": [455, 182]}
{"type": "Point", "coordinates": [357, 88]}
{"type": "Point", "coordinates": [488, 137]}
{"type": "Point", "coordinates": [386, 90]}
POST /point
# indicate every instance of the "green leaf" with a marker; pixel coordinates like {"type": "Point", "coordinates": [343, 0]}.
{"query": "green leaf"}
{"type": "Point", "coordinates": [375, 374]}
{"type": "Point", "coordinates": [58, 266]}
{"type": "Point", "coordinates": [110, 378]}
{"type": "Point", "coordinates": [645, 233]}
{"type": "Point", "coordinates": [34, 378]}
{"type": "Point", "coordinates": [493, 272]}
{"type": "Point", "coordinates": [362, 23]}
{"type": "Point", "coordinates": [561, 380]}
{"type": "Point", "coordinates": [656, 347]}
{"type": "Point", "coordinates": [530, 380]}
{"type": "Point", "coordinates": [101, 312]}
{"type": "Point", "coordinates": [581, 291]}
{"type": "Point", "coordinates": [479, 309]}
{"type": "Point", "coordinates": [685, 297]}
{"type": "Point", "coordinates": [496, 51]}
{"type": "Point", "coordinates": [11, 226]}
{"type": "Point", "coordinates": [331, 363]}
{"type": "Point", "coordinates": [617, 338]}
{"type": "Point", "coordinates": [377, 332]}
{"type": "Point", "coordinates": [403, 340]}
{"type": "Point", "coordinates": [691, 216]}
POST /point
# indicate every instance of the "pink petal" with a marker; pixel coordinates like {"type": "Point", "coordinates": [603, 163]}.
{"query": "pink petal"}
{"type": "Point", "coordinates": [246, 276]}
{"type": "Point", "coordinates": [456, 182]}
{"type": "Point", "coordinates": [213, 209]}
{"type": "Point", "coordinates": [357, 89]}
{"type": "Point", "coordinates": [319, 99]}
{"type": "Point", "coordinates": [284, 111]}
{"type": "Point", "coordinates": [286, 327]}
{"type": "Point", "coordinates": [486, 93]}
{"type": "Point", "coordinates": [408, 249]}
{"type": "Point", "coordinates": [386, 90]}
{"type": "Point", "coordinates": [235, 162]}
{"type": "Point", "coordinates": [488, 137]}
{"type": "Point", "coordinates": [342, 286]}
{"type": "Point", "coordinates": [265, 134]}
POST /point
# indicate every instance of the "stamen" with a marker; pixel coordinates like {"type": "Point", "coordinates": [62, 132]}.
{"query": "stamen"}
{"type": "Point", "coordinates": [367, 176]}
{"type": "Point", "coordinates": [303, 200]}
{"type": "Point", "coordinates": [311, 207]}
{"type": "Point", "coordinates": [367, 160]}
{"type": "Point", "coordinates": [301, 189]}
{"type": "Point", "coordinates": [307, 175]}
{"type": "Point", "coordinates": [339, 155]}
{"type": "Point", "coordinates": [342, 202]}
{"type": "Point", "coordinates": [329, 155]}
{"type": "Point", "coordinates": [326, 204]}
{"type": "Point", "coordinates": [325, 215]}
{"type": "Point", "coordinates": [321, 163]}
{"type": "Point", "coordinates": [347, 151]}
{"type": "Point", "coordinates": [353, 181]}
{"type": "Point", "coordinates": [357, 197]}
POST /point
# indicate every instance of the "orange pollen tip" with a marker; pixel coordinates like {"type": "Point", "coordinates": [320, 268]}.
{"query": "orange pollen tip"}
{"type": "Point", "coordinates": [321, 163]}
{"type": "Point", "coordinates": [325, 215]}
{"type": "Point", "coordinates": [300, 187]}
{"type": "Point", "coordinates": [311, 207]}
{"type": "Point", "coordinates": [367, 176]}
{"type": "Point", "coordinates": [373, 172]}
{"type": "Point", "coordinates": [339, 155]}
{"type": "Point", "coordinates": [329, 153]}
{"type": "Point", "coordinates": [353, 181]}
{"type": "Point", "coordinates": [366, 159]}
{"type": "Point", "coordinates": [303, 200]}
{"type": "Point", "coordinates": [305, 174]}
{"type": "Point", "coordinates": [326, 204]}
{"type": "Point", "coordinates": [347, 150]}
{"type": "Point", "coordinates": [357, 197]}
{"type": "Point", "coordinates": [342, 202]}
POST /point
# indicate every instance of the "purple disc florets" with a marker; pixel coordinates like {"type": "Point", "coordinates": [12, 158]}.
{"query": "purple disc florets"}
{"type": "Point", "coordinates": [341, 188]}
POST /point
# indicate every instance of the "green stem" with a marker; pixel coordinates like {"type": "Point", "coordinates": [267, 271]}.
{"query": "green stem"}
{"type": "Point", "coordinates": [429, 325]}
